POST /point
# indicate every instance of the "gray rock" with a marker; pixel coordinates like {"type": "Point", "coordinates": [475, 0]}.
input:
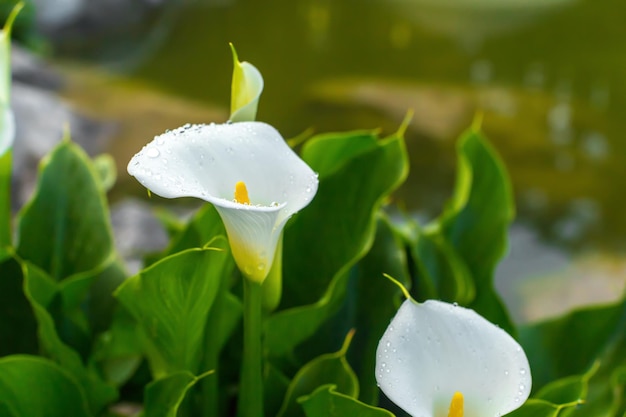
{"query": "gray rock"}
{"type": "Point", "coordinates": [41, 118]}
{"type": "Point", "coordinates": [137, 232]}
{"type": "Point", "coordinates": [30, 69]}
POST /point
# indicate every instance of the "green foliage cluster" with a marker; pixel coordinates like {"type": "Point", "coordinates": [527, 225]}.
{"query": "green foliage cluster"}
{"type": "Point", "coordinates": [87, 336]}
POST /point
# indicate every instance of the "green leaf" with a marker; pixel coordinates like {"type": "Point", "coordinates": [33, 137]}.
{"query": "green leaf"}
{"type": "Point", "coordinates": [330, 368]}
{"type": "Point", "coordinates": [326, 402]}
{"type": "Point", "coordinates": [118, 351]}
{"type": "Point", "coordinates": [569, 389]}
{"type": "Point", "coordinates": [164, 396]}
{"type": "Point", "coordinates": [40, 289]}
{"type": "Point", "coordinates": [101, 304]}
{"type": "Point", "coordinates": [327, 153]}
{"type": "Point", "coordinates": [476, 221]}
{"type": "Point", "coordinates": [171, 301]}
{"type": "Point", "coordinates": [538, 408]}
{"type": "Point", "coordinates": [275, 385]}
{"type": "Point", "coordinates": [599, 335]}
{"type": "Point", "coordinates": [18, 327]}
{"type": "Point", "coordinates": [338, 227]}
{"type": "Point", "coordinates": [104, 166]}
{"type": "Point", "coordinates": [288, 328]}
{"type": "Point", "coordinates": [440, 272]}
{"type": "Point", "coordinates": [335, 244]}
{"type": "Point", "coordinates": [589, 330]}
{"type": "Point", "coordinates": [387, 255]}
{"type": "Point", "coordinates": [65, 229]}
{"type": "Point", "coordinates": [35, 387]}
{"type": "Point", "coordinates": [203, 227]}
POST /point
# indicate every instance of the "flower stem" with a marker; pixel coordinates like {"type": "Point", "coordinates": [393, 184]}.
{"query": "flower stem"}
{"type": "Point", "coordinates": [5, 199]}
{"type": "Point", "coordinates": [251, 384]}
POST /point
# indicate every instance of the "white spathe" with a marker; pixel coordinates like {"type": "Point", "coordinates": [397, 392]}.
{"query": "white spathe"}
{"type": "Point", "coordinates": [434, 349]}
{"type": "Point", "coordinates": [206, 161]}
{"type": "Point", "coordinates": [246, 89]}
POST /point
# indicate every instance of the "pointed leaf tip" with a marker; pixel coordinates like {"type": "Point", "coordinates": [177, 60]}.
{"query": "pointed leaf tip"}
{"type": "Point", "coordinates": [477, 123]}
{"type": "Point", "coordinates": [406, 293]}
{"type": "Point", "coordinates": [405, 122]}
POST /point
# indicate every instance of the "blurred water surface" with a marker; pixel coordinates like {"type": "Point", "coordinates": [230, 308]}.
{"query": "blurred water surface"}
{"type": "Point", "coordinates": [549, 76]}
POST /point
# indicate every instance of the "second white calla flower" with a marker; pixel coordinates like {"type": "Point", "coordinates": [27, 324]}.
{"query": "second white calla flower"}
{"type": "Point", "coordinates": [438, 359]}
{"type": "Point", "coordinates": [246, 170]}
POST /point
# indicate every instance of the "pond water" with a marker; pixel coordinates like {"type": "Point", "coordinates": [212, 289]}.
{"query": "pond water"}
{"type": "Point", "coordinates": [549, 76]}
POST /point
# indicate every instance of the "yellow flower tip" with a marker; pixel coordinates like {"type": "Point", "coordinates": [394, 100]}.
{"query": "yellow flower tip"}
{"type": "Point", "coordinates": [241, 193]}
{"type": "Point", "coordinates": [456, 405]}
{"type": "Point", "coordinates": [234, 52]}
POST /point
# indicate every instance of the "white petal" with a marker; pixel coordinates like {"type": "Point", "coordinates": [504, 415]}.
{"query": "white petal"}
{"type": "Point", "coordinates": [253, 236]}
{"type": "Point", "coordinates": [206, 161]}
{"type": "Point", "coordinates": [434, 349]}
{"type": "Point", "coordinates": [7, 129]}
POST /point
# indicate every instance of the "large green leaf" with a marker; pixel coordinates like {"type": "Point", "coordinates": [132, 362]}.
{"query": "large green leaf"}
{"type": "Point", "coordinates": [559, 398]}
{"type": "Point", "coordinates": [440, 273]}
{"type": "Point", "coordinates": [171, 301]}
{"type": "Point", "coordinates": [40, 290]}
{"type": "Point", "coordinates": [65, 229]}
{"type": "Point", "coordinates": [476, 220]}
{"type": "Point", "coordinates": [599, 334]}
{"type": "Point", "coordinates": [540, 408]}
{"type": "Point", "coordinates": [326, 402]}
{"type": "Point", "coordinates": [548, 344]}
{"type": "Point", "coordinates": [326, 240]}
{"type": "Point", "coordinates": [330, 368]}
{"type": "Point", "coordinates": [164, 396]}
{"type": "Point", "coordinates": [338, 227]}
{"type": "Point", "coordinates": [375, 301]}
{"type": "Point", "coordinates": [118, 351]}
{"type": "Point", "coordinates": [35, 387]}
{"type": "Point", "coordinates": [204, 226]}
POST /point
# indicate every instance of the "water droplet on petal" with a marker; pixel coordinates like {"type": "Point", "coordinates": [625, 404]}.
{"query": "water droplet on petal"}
{"type": "Point", "coordinates": [522, 371]}
{"type": "Point", "coordinates": [153, 152]}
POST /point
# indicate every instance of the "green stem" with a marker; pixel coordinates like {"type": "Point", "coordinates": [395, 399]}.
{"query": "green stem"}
{"type": "Point", "coordinates": [251, 384]}
{"type": "Point", "coordinates": [5, 199]}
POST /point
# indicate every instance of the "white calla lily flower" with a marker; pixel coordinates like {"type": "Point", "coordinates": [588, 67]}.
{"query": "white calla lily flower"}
{"type": "Point", "coordinates": [246, 170]}
{"type": "Point", "coordinates": [246, 89]}
{"type": "Point", "coordinates": [437, 359]}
